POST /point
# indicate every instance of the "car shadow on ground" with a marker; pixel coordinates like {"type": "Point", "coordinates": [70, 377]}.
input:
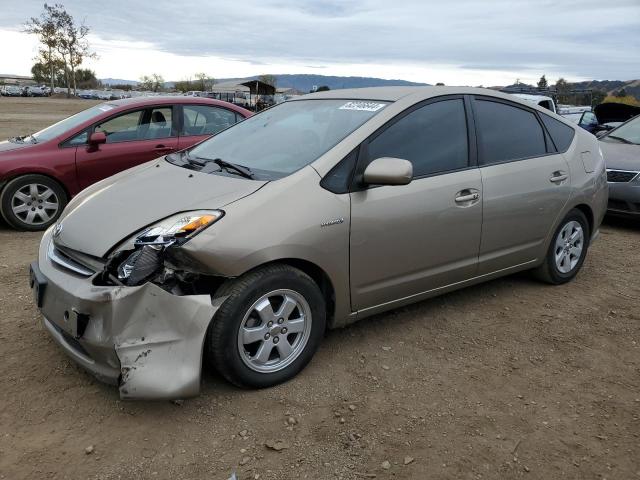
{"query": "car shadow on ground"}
{"type": "Point", "coordinates": [626, 223]}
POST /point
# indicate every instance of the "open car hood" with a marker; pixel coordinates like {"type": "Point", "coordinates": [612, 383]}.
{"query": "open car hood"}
{"type": "Point", "coordinates": [615, 112]}
{"type": "Point", "coordinates": [112, 210]}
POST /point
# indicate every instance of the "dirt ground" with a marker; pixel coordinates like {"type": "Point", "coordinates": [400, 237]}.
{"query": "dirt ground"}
{"type": "Point", "coordinates": [507, 380]}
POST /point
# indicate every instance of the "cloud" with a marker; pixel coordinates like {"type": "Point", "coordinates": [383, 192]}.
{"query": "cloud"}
{"type": "Point", "coordinates": [578, 39]}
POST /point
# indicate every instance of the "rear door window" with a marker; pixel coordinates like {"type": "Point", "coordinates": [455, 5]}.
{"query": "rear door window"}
{"type": "Point", "coordinates": [507, 133]}
{"type": "Point", "coordinates": [206, 120]}
{"type": "Point", "coordinates": [433, 138]}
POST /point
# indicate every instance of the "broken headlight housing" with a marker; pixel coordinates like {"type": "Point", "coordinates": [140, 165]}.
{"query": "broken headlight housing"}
{"type": "Point", "coordinates": [146, 260]}
{"type": "Point", "coordinates": [178, 229]}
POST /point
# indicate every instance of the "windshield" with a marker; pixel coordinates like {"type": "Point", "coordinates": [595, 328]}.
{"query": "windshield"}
{"type": "Point", "coordinates": [629, 132]}
{"type": "Point", "coordinates": [287, 137]}
{"type": "Point", "coordinates": [70, 123]}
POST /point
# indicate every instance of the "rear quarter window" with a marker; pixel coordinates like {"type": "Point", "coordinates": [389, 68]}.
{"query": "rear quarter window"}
{"type": "Point", "coordinates": [561, 134]}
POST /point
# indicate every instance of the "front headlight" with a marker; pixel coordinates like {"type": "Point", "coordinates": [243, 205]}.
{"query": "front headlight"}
{"type": "Point", "coordinates": [179, 228]}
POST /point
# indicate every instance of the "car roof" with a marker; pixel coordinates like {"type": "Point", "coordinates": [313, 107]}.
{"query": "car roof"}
{"type": "Point", "coordinates": [171, 100]}
{"type": "Point", "coordinates": [392, 94]}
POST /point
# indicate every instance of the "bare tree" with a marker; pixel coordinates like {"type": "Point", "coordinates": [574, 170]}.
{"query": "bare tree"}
{"type": "Point", "coordinates": [62, 40]}
{"type": "Point", "coordinates": [153, 82]}
{"type": "Point", "coordinates": [73, 44]}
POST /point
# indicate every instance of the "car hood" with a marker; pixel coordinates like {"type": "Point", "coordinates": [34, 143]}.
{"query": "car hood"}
{"type": "Point", "coordinates": [110, 211]}
{"type": "Point", "coordinates": [6, 145]}
{"type": "Point", "coordinates": [621, 156]}
{"type": "Point", "coordinates": [615, 112]}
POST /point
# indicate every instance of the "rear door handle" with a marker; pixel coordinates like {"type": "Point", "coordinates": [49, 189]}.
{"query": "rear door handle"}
{"type": "Point", "coordinates": [557, 177]}
{"type": "Point", "coordinates": [467, 195]}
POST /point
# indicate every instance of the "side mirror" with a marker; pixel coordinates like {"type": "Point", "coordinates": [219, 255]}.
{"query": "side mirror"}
{"type": "Point", "coordinates": [388, 171]}
{"type": "Point", "coordinates": [97, 138]}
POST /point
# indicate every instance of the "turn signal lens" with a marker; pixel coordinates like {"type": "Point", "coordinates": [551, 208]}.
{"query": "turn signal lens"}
{"type": "Point", "coordinates": [196, 224]}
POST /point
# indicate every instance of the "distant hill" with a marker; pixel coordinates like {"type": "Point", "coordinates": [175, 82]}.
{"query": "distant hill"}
{"type": "Point", "coordinates": [632, 87]}
{"type": "Point", "coordinates": [304, 83]}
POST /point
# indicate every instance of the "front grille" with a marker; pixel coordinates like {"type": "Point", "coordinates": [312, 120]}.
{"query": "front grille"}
{"type": "Point", "coordinates": [620, 176]}
{"type": "Point", "coordinates": [59, 257]}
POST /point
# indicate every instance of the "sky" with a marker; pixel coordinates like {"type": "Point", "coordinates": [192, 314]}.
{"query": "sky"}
{"type": "Point", "coordinates": [458, 42]}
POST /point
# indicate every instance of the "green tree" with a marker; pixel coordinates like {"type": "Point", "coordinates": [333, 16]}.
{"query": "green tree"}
{"type": "Point", "coordinates": [542, 83]}
{"type": "Point", "coordinates": [86, 78]}
{"type": "Point", "coordinates": [184, 85]}
{"type": "Point", "coordinates": [42, 72]}
{"type": "Point", "coordinates": [323, 88]}
{"type": "Point", "coordinates": [620, 93]}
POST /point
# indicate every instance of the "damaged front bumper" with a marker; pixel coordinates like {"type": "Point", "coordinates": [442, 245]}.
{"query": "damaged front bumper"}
{"type": "Point", "coordinates": [144, 339]}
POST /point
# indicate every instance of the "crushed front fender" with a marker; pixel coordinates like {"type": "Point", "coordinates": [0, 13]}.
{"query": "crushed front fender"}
{"type": "Point", "coordinates": [160, 341]}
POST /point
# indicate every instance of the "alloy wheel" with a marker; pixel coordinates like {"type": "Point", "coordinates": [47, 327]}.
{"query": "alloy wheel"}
{"type": "Point", "coordinates": [35, 204]}
{"type": "Point", "coordinates": [569, 246]}
{"type": "Point", "coordinates": [274, 331]}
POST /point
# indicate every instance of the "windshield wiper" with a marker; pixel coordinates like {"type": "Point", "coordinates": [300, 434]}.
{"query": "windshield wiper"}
{"type": "Point", "coordinates": [202, 162]}
{"type": "Point", "coordinates": [242, 170]}
{"type": "Point", "coordinates": [239, 169]}
{"type": "Point", "coordinates": [624, 140]}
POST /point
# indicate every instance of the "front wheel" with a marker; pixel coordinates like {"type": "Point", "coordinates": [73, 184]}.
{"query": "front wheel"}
{"type": "Point", "coordinates": [567, 250]}
{"type": "Point", "coordinates": [32, 202]}
{"type": "Point", "coordinates": [268, 328]}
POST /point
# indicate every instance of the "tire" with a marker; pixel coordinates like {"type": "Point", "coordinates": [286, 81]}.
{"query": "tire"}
{"type": "Point", "coordinates": [557, 272]}
{"type": "Point", "coordinates": [22, 212]}
{"type": "Point", "coordinates": [244, 364]}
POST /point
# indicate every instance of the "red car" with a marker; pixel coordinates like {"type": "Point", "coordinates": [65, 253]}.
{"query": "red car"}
{"type": "Point", "coordinates": [39, 173]}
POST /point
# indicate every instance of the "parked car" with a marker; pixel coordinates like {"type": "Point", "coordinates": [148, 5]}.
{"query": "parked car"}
{"type": "Point", "coordinates": [86, 94]}
{"type": "Point", "coordinates": [607, 116]}
{"type": "Point", "coordinates": [12, 91]}
{"type": "Point", "coordinates": [312, 214]}
{"type": "Point", "coordinates": [39, 173]}
{"type": "Point", "coordinates": [621, 149]}
{"type": "Point", "coordinates": [34, 91]}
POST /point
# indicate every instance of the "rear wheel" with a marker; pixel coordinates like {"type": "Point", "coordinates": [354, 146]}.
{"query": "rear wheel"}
{"type": "Point", "coordinates": [268, 328]}
{"type": "Point", "coordinates": [32, 202]}
{"type": "Point", "coordinates": [567, 250]}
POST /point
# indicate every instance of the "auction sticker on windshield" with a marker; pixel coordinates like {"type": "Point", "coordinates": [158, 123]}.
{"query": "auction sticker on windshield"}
{"type": "Point", "coordinates": [363, 106]}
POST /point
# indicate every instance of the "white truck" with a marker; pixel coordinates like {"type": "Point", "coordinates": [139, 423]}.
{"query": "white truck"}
{"type": "Point", "coordinates": [543, 101]}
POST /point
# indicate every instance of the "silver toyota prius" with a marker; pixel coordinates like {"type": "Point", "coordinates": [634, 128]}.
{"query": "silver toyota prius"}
{"type": "Point", "coordinates": [241, 251]}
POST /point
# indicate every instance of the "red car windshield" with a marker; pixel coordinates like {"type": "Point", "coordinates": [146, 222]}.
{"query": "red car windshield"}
{"type": "Point", "coordinates": [69, 123]}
